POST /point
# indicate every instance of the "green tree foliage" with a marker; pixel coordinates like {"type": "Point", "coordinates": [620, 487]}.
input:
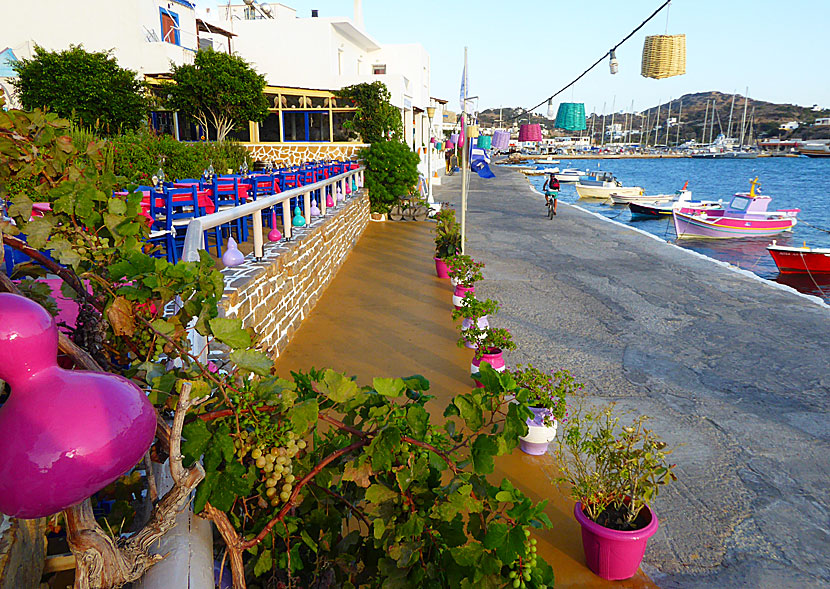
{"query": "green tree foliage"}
{"type": "Point", "coordinates": [391, 172]}
{"type": "Point", "coordinates": [88, 88]}
{"type": "Point", "coordinates": [375, 119]}
{"type": "Point", "coordinates": [218, 90]}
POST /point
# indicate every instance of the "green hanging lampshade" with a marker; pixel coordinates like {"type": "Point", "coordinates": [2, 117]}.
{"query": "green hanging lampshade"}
{"type": "Point", "coordinates": [484, 141]}
{"type": "Point", "coordinates": [571, 116]}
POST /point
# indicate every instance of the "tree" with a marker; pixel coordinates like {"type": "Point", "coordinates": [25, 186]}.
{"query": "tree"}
{"type": "Point", "coordinates": [90, 89]}
{"type": "Point", "coordinates": [391, 172]}
{"type": "Point", "coordinates": [376, 118]}
{"type": "Point", "coordinates": [218, 90]}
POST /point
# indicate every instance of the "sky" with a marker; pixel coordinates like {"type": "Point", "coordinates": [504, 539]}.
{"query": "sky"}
{"type": "Point", "coordinates": [520, 52]}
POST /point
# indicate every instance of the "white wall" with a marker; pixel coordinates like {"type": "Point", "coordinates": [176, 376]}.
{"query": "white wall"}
{"type": "Point", "coordinates": [100, 25]}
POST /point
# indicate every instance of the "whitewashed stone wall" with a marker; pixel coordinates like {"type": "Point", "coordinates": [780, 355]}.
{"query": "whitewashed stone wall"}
{"type": "Point", "coordinates": [277, 293]}
{"type": "Point", "coordinates": [295, 154]}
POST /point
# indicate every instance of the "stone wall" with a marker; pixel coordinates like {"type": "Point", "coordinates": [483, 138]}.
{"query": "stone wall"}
{"type": "Point", "coordinates": [275, 294]}
{"type": "Point", "coordinates": [294, 154]}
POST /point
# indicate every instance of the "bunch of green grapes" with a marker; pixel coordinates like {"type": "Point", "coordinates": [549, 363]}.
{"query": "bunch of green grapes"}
{"type": "Point", "coordinates": [527, 563]}
{"type": "Point", "coordinates": [276, 466]}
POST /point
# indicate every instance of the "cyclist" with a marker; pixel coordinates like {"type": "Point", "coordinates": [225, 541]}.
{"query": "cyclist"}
{"type": "Point", "coordinates": [551, 189]}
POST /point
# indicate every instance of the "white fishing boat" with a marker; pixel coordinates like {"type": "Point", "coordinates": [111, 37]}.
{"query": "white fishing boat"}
{"type": "Point", "coordinates": [570, 175]}
{"type": "Point", "coordinates": [547, 160]}
{"type": "Point", "coordinates": [619, 199]}
{"type": "Point", "coordinates": [539, 171]}
{"type": "Point", "coordinates": [603, 185]}
{"type": "Point", "coordinates": [814, 148]}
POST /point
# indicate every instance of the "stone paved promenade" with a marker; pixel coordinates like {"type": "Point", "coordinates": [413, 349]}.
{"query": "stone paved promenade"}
{"type": "Point", "coordinates": [734, 369]}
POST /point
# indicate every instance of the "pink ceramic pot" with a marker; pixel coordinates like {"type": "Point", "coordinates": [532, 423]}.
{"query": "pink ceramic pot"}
{"type": "Point", "coordinates": [441, 268]}
{"type": "Point", "coordinates": [612, 554]}
{"type": "Point", "coordinates": [66, 433]}
{"type": "Point", "coordinates": [460, 292]}
{"type": "Point", "coordinates": [493, 357]}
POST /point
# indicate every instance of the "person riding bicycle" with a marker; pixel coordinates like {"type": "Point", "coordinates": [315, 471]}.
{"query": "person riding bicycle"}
{"type": "Point", "coordinates": [551, 189]}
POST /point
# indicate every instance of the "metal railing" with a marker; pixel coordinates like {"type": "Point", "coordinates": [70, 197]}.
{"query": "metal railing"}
{"type": "Point", "coordinates": [194, 239]}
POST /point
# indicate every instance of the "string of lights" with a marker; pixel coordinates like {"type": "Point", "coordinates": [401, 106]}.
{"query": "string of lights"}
{"type": "Point", "coordinates": [613, 63]}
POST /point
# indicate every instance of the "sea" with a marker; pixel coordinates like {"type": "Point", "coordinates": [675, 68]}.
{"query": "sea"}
{"type": "Point", "coordinates": [802, 183]}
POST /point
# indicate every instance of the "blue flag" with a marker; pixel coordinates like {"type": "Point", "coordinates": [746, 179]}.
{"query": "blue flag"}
{"type": "Point", "coordinates": [480, 162]}
{"type": "Point", "coordinates": [462, 98]}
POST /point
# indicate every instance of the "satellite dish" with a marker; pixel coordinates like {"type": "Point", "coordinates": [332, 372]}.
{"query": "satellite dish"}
{"type": "Point", "coordinates": [265, 7]}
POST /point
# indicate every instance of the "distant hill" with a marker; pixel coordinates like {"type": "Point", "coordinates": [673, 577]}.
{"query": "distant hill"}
{"type": "Point", "coordinates": [767, 117]}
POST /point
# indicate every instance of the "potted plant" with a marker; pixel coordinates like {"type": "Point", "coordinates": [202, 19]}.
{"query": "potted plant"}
{"type": "Point", "coordinates": [545, 394]}
{"type": "Point", "coordinates": [614, 473]}
{"type": "Point", "coordinates": [464, 272]}
{"type": "Point", "coordinates": [471, 311]}
{"type": "Point", "coordinates": [492, 341]}
{"type": "Point", "coordinates": [447, 239]}
{"type": "Point", "coordinates": [378, 211]}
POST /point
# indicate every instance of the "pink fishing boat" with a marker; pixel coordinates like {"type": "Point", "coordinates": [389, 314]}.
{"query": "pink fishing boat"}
{"type": "Point", "coordinates": [745, 216]}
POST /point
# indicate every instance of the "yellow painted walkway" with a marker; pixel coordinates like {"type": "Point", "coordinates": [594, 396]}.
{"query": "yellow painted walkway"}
{"type": "Point", "coordinates": [387, 314]}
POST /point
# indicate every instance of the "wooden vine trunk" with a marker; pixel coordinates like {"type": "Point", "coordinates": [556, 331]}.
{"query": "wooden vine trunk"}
{"type": "Point", "coordinates": [22, 552]}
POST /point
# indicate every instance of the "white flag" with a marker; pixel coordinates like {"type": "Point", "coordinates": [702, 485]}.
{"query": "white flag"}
{"type": "Point", "coordinates": [462, 98]}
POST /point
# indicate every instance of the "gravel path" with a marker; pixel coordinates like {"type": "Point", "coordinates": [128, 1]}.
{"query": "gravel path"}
{"type": "Point", "coordinates": [732, 368]}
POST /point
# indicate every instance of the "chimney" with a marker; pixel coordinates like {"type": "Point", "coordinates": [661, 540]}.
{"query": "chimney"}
{"type": "Point", "coordinates": [358, 14]}
{"type": "Point", "coordinates": [315, 13]}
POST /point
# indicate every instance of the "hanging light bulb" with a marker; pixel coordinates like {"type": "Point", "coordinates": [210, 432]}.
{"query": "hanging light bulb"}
{"type": "Point", "coordinates": [614, 64]}
{"type": "Point", "coordinates": [551, 114]}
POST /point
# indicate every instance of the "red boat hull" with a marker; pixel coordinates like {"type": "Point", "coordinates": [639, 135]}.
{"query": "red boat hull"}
{"type": "Point", "coordinates": [802, 260]}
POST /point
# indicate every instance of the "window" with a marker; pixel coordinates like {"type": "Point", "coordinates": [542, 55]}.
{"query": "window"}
{"type": "Point", "coordinates": [379, 69]}
{"type": "Point", "coordinates": [269, 129]}
{"type": "Point", "coordinates": [294, 126]}
{"type": "Point", "coordinates": [318, 126]}
{"type": "Point", "coordinates": [170, 26]}
{"type": "Point", "coordinates": [340, 132]}
{"type": "Point", "coordinates": [243, 134]}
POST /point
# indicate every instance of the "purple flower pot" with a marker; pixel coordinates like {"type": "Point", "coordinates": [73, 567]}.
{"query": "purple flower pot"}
{"type": "Point", "coordinates": [482, 323]}
{"type": "Point", "coordinates": [539, 436]}
{"type": "Point", "coordinates": [612, 554]}
{"type": "Point", "coordinates": [441, 268]}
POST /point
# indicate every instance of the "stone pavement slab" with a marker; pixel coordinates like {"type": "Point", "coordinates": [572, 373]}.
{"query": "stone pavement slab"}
{"type": "Point", "coordinates": [733, 368]}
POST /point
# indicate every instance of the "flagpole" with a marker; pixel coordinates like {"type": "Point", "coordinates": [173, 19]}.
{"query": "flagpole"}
{"type": "Point", "coordinates": [464, 166]}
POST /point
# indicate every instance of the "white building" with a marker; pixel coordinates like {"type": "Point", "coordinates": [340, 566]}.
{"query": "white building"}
{"type": "Point", "coordinates": [144, 35]}
{"type": "Point", "coordinates": [823, 121]}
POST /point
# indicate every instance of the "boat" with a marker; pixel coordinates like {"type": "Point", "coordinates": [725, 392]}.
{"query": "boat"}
{"type": "Point", "coordinates": [745, 216]}
{"type": "Point", "coordinates": [806, 260]}
{"type": "Point", "coordinates": [655, 209]}
{"type": "Point", "coordinates": [602, 185]}
{"type": "Point", "coordinates": [570, 175]}
{"type": "Point", "coordinates": [681, 194]}
{"type": "Point", "coordinates": [547, 160]}
{"type": "Point", "coordinates": [814, 148]}
{"type": "Point", "coordinates": [539, 171]}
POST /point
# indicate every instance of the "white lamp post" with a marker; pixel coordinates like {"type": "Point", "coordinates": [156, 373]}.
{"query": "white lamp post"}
{"type": "Point", "coordinates": [430, 114]}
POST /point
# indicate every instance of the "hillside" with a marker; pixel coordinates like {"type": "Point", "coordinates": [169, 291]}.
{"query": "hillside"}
{"type": "Point", "coordinates": [767, 116]}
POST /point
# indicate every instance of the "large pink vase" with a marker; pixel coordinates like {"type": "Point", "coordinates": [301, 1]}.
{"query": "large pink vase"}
{"type": "Point", "coordinates": [65, 434]}
{"type": "Point", "coordinates": [441, 268]}
{"type": "Point", "coordinates": [612, 554]}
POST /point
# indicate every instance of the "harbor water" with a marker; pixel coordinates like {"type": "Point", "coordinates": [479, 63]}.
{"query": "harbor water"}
{"type": "Point", "coordinates": [801, 183]}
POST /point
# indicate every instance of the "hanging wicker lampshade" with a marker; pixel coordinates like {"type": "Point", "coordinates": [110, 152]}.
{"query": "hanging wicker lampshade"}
{"type": "Point", "coordinates": [454, 138]}
{"type": "Point", "coordinates": [501, 139]}
{"type": "Point", "coordinates": [571, 116]}
{"type": "Point", "coordinates": [664, 56]}
{"type": "Point", "coordinates": [530, 132]}
{"type": "Point", "coordinates": [449, 145]}
{"type": "Point", "coordinates": [472, 131]}
{"type": "Point", "coordinates": [484, 142]}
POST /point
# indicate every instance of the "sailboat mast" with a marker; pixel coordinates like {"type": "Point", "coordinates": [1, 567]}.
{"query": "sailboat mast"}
{"type": "Point", "coordinates": [731, 108]}
{"type": "Point", "coordinates": [668, 116]}
{"type": "Point", "coordinates": [679, 115]}
{"type": "Point", "coordinates": [647, 127]}
{"type": "Point", "coordinates": [657, 125]}
{"type": "Point", "coordinates": [593, 124]}
{"type": "Point", "coordinates": [602, 141]}
{"type": "Point", "coordinates": [705, 122]}
{"type": "Point", "coordinates": [743, 119]}
{"type": "Point", "coordinates": [712, 121]}
{"type": "Point", "coordinates": [613, 106]}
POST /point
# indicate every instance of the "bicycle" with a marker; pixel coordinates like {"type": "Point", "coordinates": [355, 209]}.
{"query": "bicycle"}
{"type": "Point", "coordinates": [550, 202]}
{"type": "Point", "coordinates": [410, 208]}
